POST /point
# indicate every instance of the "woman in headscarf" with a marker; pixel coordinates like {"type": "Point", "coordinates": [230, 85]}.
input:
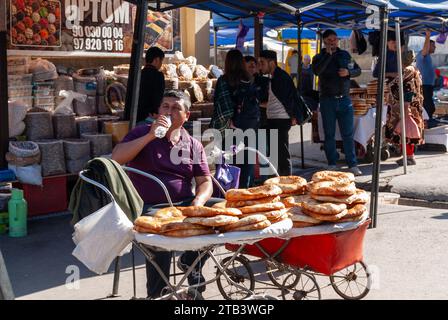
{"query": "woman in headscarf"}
{"type": "Point", "coordinates": [413, 107]}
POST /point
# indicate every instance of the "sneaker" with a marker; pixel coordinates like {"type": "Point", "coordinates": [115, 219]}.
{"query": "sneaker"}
{"type": "Point", "coordinates": [356, 171]}
{"type": "Point", "coordinates": [195, 277]}
{"type": "Point", "coordinates": [332, 167]}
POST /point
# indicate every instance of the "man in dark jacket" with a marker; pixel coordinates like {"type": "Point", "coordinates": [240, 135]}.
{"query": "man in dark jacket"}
{"type": "Point", "coordinates": [283, 107]}
{"type": "Point", "coordinates": [152, 85]}
{"type": "Point", "coordinates": [334, 68]}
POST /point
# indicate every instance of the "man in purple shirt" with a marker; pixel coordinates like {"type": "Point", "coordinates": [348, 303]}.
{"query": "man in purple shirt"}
{"type": "Point", "coordinates": [176, 160]}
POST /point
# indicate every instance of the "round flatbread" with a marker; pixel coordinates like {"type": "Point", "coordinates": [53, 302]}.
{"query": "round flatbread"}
{"type": "Point", "coordinates": [188, 233]}
{"type": "Point", "coordinates": [145, 230]}
{"type": "Point", "coordinates": [252, 227]}
{"type": "Point", "coordinates": [325, 217]}
{"type": "Point", "coordinates": [252, 219]}
{"type": "Point", "coordinates": [155, 224]}
{"type": "Point", "coordinates": [294, 201]}
{"type": "Point", "coordinates": [271, 215]}
{"type": "Point", "coordinates": [216, 221]}
{"type": "Point", "coordinates": [298, 216]}
{"type": "Point", "coordinates": [281, 218]}
{"type": "Point", "coordinates": [198, 211]}
{"type": "Point", "coordinates": [337, 176]}
{"type": "Point", "coordinates": [356, 218]}
{"type": "Point", "coordinates": [254, 193]}
{"type": "Point", "coordinates": [169, 212]}
{"type": "Point", "coordinates": [359, 197]}
{"type": "Point", "coordinates": [356, 211]}
{"type": "Point", "coordinates": [323, 208]}
{"type": "Point", "coordinates": [238, 204]}
{"type": "Point", "coordinates": [332, 188]}
{"type": "Point", "coordinates": [220, 205]}
{"type": "Point", "coordinates": [175, 226]}
{"type": "Point", "coordinates": [288, 184]}
{"type": "Point", "coordinates": [263, 207]}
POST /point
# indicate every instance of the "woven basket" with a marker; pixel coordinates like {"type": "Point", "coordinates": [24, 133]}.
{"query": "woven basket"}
{"type": "Point", "coordinates": [24, 148]}
{"type": "Point", "coordinates": [106, 118]}
{"type": "Point", "coordinates": [74, 166]}
{"type": "Point", "coordinates": [75, 149]}
{"type": "Point", "coordinates": [52, 157]}
{"type": "Point", "coordinates": [21, 161]}
{"type": "Point", "coordinates": [100, 144]}
{"type": "Point", "coordinates": [87, 125]}
{"type": "Point", "coordinates": [38, 126]}
{"type": "Point", "coordinates": [64, 126]}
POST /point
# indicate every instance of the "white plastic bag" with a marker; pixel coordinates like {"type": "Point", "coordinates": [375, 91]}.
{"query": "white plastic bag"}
{"type": "Point", "coordinates": [66, 105]}
{"type": "Point", "coordinates": [102, 236]}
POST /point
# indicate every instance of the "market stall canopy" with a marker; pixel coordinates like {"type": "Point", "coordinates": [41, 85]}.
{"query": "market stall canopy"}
{"type": "Point", "coordinates": [416, 15]}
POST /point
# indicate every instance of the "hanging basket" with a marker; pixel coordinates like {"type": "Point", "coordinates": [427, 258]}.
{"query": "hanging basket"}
{"type": "Point", "coordinates": [39, 126]}
{"type": "Point", "coordinates": [52, 157]}
{"type": "Point", "coordinates": [75, 149]}
{"type": "Point", "coordinates": [100, 144]}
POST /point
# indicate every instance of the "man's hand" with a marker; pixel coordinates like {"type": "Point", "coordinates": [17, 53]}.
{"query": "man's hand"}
{"type": "Point", "coordinates": [293, 122]}
{"type": "Point", "coordinates": [161, 121]}
{"type": "Point", "coordinates": [343, 72]}
{"type": "Point", "coordinates": [428, 33]}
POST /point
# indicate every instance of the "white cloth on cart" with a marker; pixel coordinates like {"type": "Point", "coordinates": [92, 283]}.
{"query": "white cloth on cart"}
{"type": "Point", "coordinates": [364, 127]}
{"type": "Point", "coordinates": [323, 229]}
{"type": "Point", "coordinates": [200, 242]}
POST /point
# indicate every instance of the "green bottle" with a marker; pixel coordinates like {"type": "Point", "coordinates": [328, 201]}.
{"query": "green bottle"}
{"type": "Point", "coordinates": [18, 211]}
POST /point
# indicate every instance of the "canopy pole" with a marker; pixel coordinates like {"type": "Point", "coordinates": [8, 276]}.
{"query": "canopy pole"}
{"type": "Point", "coordinates": [401, 95]}
{"type": "Point", "coordinates": [384, 17]}
{"type": "Point", "coordinates": [299, 81]}
{"type": "Point", "coordinates": [133, 92]}
{"type": "Point", "coordinates": [215, 44]}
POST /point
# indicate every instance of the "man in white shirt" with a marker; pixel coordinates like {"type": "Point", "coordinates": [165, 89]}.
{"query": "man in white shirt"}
{"type": "Point", "coordinates": [293, 63]}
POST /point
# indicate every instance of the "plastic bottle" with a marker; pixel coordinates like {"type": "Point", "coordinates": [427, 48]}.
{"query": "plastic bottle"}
{"type": "Point", "coordinates": [18, 211]}
{"type": "Point", "coordinates": [161, 131]}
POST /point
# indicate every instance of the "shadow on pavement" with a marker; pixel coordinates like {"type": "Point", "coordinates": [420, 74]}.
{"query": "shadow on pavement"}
{"type": "Point", "coordinates": [39, 261]}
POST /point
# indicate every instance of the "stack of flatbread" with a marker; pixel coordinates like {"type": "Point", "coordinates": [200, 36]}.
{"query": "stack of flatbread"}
{"type": "Point", "coordinates": [260, 207]}
{"type": "Point", "coordinates": [335, 198]}
{"type": "Point", "coordinates": [293, 189]}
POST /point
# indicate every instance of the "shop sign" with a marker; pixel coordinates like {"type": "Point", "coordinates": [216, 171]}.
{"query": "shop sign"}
{"type": "Point", "coordinates": [83, 27]}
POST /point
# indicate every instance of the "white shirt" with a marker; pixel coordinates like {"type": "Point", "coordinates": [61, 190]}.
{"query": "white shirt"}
{"type": "Point", "coordinates": [274, 108]}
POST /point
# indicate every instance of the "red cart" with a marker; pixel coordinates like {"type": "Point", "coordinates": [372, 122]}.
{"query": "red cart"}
{"type": "Point", "coordinates": [292, 264]}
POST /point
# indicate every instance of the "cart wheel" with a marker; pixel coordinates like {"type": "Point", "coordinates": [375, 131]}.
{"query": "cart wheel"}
{"type": "Point", "coordinates": [368, 157]}
{"type": "Point", "coordinates": [300, 285]}
{"type": "Point", "coordinates": [385, 154]}
{"type": "Point", "coordinates": [353, 282]}
{"type": "Point", "coordinates": [278, 272]}
{"type": "Point", "coordinates": [240, 272]}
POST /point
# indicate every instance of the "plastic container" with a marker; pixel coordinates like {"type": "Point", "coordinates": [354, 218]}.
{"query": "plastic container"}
{"type": "Point", "coordinates": [18, 212]}
{"type": "Point", "coordinates": [44, 100]}
{"type": "Point", "coordinates": [44, 93]}
{"type": "Point", "coordinates": [20, 80]}
{"type": "Point", "coordinates": [85, 85]}
{"type": "Point", "coordinates": [44, 85]}
{"type": "Point", "coordinates": [20, 91]}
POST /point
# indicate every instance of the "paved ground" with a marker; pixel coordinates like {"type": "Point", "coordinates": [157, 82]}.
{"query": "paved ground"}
{"type": "Point", "coordinates": [406, 254]}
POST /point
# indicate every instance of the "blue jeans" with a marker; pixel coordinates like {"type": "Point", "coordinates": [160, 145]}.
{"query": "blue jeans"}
{"type": "Point", "coordinates": [340, 109]}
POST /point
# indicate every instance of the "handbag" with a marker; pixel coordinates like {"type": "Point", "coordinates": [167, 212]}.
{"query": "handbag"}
{"type": "Point", "coordinates": [228, 177]}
